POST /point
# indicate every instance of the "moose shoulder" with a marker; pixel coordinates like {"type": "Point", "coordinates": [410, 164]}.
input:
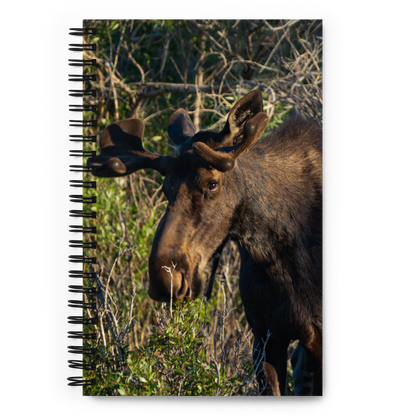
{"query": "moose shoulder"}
{"type": "Point", "coordinates": [266, 195]}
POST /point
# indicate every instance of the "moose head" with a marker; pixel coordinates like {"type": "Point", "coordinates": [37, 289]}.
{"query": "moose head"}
{"type": "Point", "coordinates": [202, 185]}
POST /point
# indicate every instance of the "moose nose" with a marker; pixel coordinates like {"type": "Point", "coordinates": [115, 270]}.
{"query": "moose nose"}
{"type": "Point", "coordinates": [168, 276]}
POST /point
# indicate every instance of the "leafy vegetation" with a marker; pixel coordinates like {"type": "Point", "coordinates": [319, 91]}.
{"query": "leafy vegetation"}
{"type": "Point", "coordinates": [177, 360]}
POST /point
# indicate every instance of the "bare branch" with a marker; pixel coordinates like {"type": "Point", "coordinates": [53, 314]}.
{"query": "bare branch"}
{"type": "Point", "coordinates": [216, 62]}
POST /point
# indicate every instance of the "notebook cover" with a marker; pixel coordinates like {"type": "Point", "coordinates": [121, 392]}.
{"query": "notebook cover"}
{"type": "Point", "coordinates": [207, 271]}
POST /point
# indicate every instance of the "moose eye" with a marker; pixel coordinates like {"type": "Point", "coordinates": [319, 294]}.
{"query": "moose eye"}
{"type": "Point", "coordinates": [212, 186]}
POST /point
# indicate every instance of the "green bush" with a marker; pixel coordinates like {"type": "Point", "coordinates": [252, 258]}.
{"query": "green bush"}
{"type": "Point", "coordinates": [178, 360]}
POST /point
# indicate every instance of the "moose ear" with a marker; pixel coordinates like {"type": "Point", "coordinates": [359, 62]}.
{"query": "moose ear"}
{"type": "Point", "coordinates": [180, 128]}
{"type": "Point", "coordinates": [223, 159]}
{"type": "Point", "coordinates": [244, 110]}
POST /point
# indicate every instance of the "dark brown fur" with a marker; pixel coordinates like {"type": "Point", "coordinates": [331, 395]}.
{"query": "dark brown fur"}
{"type": "Point", "coordinates": [268, 199]}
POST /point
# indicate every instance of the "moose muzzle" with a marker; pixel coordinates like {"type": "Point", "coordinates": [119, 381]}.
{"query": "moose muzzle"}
{"type": "Point", "coordinates": [169, 275]}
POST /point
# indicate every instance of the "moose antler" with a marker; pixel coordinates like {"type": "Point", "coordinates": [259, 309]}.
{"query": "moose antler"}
{"type": "Point", "coordinates": [223, 159]}
{"type": "Point", "coordinates": [122, 151]}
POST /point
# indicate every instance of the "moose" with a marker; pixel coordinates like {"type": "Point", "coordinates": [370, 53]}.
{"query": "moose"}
{"type": "Point", "coordinates": [263, 193]}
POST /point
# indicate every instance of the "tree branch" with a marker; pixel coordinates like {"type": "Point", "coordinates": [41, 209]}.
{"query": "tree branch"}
{"type": "Point", "coordinates": [191, 88]}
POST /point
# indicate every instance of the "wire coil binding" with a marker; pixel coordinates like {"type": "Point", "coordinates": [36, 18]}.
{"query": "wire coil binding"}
{"type": "Point", "coordinates": [80, 47]}
{"type": "Point", "coordinates": [83, 123]}
{"type": "Point", "coordinates": [82, 244]}
{"type": "Point", "coordinates": [80, 365]}
{"type": "Point", "coordinates": [83, 31]}
{"type": "Point", "coordinates": [83, 139]}
{"type": "Point", "coordinates": [75, 213]}
{"type": "Point", "coordinates": [80, 382]}
{"type": "Point", "coordinates": [80, 274]}
{"type": "Point", "coordinates": [88, 292]}
{"type": "Point", "coordinates": [82, 62]}
{"type": "Point", "coordinates": [81, 335]}
{"type": "Point", "coordinates": [80, 108]}
{"type": "Point", "coordinates": [83, 199]}
{"type": "Point", "coordinates": [82, 93]}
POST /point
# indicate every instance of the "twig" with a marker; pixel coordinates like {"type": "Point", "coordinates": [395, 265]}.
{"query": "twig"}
{"type": "Point", "coordinates": [262, 358]}
{"type": "Point", "coordinates": [169, 270]}
{"type": "Point", "coordinates": [106, 311]}
{"type": "Point", "coordinates": [177, 70]}
{"type": "Point", "coordinates": [114, 91]}
{"type": "Point", "coordinates": [218, 373]}
{"type": "Point", "coordinates": [166, 109]}
{"type": "Point", "coordinates": [275, 29]}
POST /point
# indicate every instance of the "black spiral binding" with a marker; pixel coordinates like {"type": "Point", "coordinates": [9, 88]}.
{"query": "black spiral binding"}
{"type": "Point", "coordinates": [88, 352]}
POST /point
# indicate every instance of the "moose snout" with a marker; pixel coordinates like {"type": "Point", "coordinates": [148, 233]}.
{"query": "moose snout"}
{"type": "Point", "coordinates": [169, 274]}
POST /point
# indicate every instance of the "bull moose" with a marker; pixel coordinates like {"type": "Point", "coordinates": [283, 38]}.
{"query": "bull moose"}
{"type": "Point", "coordinates": [263, 193]}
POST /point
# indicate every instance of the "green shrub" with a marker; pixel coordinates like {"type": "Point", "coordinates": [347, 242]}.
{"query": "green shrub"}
{"type": "Point", "coordinates": [178, 360]}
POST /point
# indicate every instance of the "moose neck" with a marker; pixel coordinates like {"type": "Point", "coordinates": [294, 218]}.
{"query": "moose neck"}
{"type": "Point", "coordinates": [273, 214]}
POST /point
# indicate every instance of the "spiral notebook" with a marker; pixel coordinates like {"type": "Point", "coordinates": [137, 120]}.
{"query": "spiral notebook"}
{"type": "Point", "coordinates": [197, 207]}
